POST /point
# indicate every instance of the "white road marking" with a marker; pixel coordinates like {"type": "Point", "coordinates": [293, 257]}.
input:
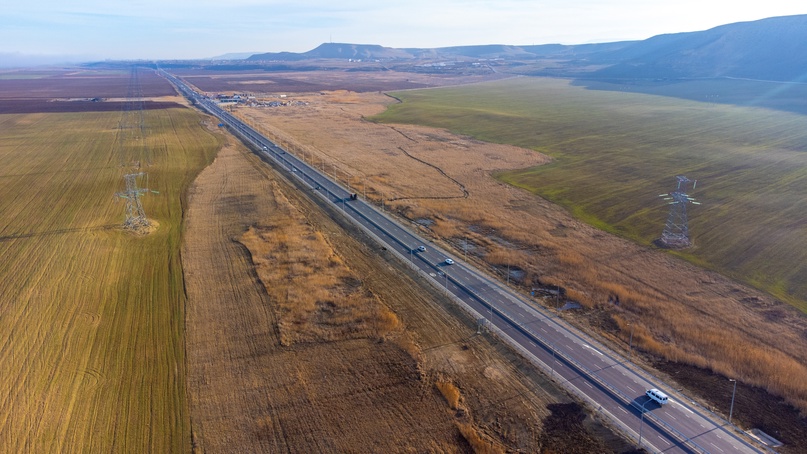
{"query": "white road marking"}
{"type": "Point", "coordinates": [716, 447]}
{"type": "Point", "coordinates": [626, 411]}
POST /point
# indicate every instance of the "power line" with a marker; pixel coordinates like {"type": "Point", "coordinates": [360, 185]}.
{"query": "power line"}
{"type": "Point", "coordinates": [132, 126]}
{"type": "Point", "coordinates": [676, 230]}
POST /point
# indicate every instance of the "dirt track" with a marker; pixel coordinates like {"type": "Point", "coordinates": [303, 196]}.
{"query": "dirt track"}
{"type": "Point", "coordinates": [250, 393]}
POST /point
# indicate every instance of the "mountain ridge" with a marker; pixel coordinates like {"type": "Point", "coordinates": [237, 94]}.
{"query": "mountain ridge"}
{"type": "Point", "coordinates": [765, 49]}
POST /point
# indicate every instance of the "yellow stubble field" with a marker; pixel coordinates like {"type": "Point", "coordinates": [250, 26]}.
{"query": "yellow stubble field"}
{"type": "Point", "coordinates": [91, 339]}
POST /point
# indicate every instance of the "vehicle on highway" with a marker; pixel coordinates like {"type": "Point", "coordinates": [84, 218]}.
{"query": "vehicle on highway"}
{"type": "Point", "coordinates": [657, 396]}
{"type": "Point", "coordinates": [449, 262]}
{"type": "Point", "coordinates": [422, 248]}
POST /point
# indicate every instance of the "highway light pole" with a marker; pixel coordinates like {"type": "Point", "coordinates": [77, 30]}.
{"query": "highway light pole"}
{"type": "Point", "coordinates": [508, 273]}
{"type": "Point", "coordinates": [557, 296]}
{"type": "Point", "coordinates": [553, 359]}
{"type": "Point", "coordinates": [630, 344]}
{"type": "Point", "coordinates": [731, 410]}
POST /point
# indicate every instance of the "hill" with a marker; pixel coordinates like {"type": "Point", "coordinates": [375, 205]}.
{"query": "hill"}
{"type": "Point", "coordinates": [337, 51]}
{"type": "Point", "coordinates": [486, 51]}
{"type": "Point", "coordinates": [767, 49]}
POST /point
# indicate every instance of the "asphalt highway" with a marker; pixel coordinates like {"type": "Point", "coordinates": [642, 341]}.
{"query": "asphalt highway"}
{"type": "Point", "coordinates": [611, 385]}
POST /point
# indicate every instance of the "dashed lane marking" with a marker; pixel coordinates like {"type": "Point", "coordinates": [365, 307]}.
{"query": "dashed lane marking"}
{"type": "Point", "coordinates": [592, 349]}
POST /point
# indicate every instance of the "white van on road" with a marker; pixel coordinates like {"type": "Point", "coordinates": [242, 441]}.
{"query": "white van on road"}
{"type": "Point", "coordinates": [657, 396]}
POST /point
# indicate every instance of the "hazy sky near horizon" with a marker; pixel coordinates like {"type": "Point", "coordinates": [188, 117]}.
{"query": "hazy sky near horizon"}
{"type": "Point", "coordinates": [168, 29]}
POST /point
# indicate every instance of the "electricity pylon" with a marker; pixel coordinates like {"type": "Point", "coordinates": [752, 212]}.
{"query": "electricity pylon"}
{"type": "Point", "coordinates": [676, 231]}
{"type": "Point", "coordinates": [135, 216]}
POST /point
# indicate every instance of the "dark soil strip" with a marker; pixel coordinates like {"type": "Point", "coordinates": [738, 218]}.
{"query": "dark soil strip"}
{"type": "Point", "coordinates": [18, 106]}
{"type": "Point", "coordinates": [465, 192]}
{"type": "Point", "coordinates": [15, 236]}
{"type": "Point", "coordinates": [565, 432]}
{"type": "Point", "coordinates": [753, 406]}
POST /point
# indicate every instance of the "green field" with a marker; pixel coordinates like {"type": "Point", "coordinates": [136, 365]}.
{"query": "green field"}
{"type": "Point", "coordinates": [91, 334]}
{"type": "Point", "coordinates": [614, 153]}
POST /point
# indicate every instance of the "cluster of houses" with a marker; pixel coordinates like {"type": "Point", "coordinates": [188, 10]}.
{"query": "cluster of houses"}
{"type": "Point", "coordinates": [252, 101]}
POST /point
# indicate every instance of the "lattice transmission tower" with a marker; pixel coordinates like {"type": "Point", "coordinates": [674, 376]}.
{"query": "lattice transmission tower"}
{"type": "Point", "coordinates": [135, 216]}
{"type": "Point", "coordinates": [676, 231]}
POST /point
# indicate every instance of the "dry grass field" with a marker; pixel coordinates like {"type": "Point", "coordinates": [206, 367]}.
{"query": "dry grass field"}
{"type": "Point", "coordinates": [302, 339]}
{"type": "Point", "coordinates": [91, 334]}
{"type": "Point", "coordinates": [717, 324]}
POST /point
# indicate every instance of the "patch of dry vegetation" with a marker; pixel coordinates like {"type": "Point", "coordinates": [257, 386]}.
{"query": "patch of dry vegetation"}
{"type": "Point", "coordinates": [478, 444]}
{"type": "Point", "coordinates": [317, 296]}
{"type": "Point", "coordinates": [449, 392]}
{"type": "Point", "coordinates": [468, 430]}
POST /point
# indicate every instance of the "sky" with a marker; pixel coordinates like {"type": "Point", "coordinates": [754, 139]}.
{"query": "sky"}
{"type": "Point", "coordinates": [187, 29]}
